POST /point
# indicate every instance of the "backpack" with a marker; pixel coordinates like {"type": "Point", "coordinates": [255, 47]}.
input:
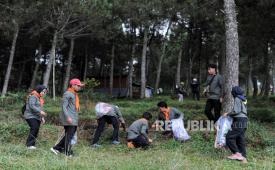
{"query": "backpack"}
{"type": "Point", "coordinates": [23, 109]}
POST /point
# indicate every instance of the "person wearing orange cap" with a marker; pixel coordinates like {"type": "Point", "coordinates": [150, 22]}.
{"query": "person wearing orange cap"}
{"type": "Point", "coordinates": [69, 117]}
{"type": "Point", "coordinates": [34, 114]}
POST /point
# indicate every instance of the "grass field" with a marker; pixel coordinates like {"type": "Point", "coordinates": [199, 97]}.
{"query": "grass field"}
{"type": "Point", "coordinates": [198, 153]}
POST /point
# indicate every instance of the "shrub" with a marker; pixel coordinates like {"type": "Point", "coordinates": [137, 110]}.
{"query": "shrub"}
{"type": "Point", "coordinates": [262, 114]}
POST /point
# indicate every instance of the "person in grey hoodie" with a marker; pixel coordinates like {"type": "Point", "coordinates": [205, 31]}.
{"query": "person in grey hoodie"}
{"type": "Point", "coordinates": [137, 133]}
{"type": "Point", "coordinates": [235, 138]}
{"type": "Point", "coordinates": [110, 114]}
{"type": "Point", "coordinates": [215, 92]}
{"type": "Point", "coordinates": [34, 114]}
{"type": "Point", "coordinates": [69, 117]}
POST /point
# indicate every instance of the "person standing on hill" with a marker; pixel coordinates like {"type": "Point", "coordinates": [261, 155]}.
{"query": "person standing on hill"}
{"type": "Point", "coordinates": [215, 92]}
{"type": "Point", "coordinates": [195, 87]}
{"type": "Point", "coordinates": [34, 114]}
{"type": "Point", "coordinates": [69, 117]}
{"type": "Point", "coordinates": [235, 138]}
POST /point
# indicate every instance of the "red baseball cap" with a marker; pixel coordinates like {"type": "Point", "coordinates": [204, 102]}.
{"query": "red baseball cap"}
{"type": "Point", "coordinates": [76, 82]}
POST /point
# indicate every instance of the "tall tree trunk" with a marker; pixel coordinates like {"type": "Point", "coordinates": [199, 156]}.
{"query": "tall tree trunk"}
{"type": "Point", "coordinates": [131, 69]}
{"type": "Point", "coordinates": [33, 82]}
{"type": "Point", "coordinates": [86, 64]}
{"type": "Point", "coordinates": [12, 51]}
{"type": "Point", "coordinates": [163, 50]}
{"type": "Point", "coordinates": [112, 69]}
{"type": "Point", "coordinates": [50, 63]}
{"type": "Point", "coordinates": [179, 67]}
{"type": "Point", "coordinates": [231, 76]}
{"type": "Point", "coordinates": [249, 79]}
{"type": "Point", "coordinates": [268, 67]}
{"type": "Point", "coordinates": [69, 65]}
{"type": "Point", "coordinates": [255, 86]}
{"type": "Point", "coordinates": [143, 63]}
{"type": "Point", "coordinates": [22, 71]}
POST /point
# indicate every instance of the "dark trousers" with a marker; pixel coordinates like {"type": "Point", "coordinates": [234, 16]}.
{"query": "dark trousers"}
{"type": "Point", "coordinates": [235, 138]}
{"type": "Point", "coordinates": [64, 145]}
{"type": "Point", "coordinates": [34, 129]}
{"type": "Point", "coordinates": [101, 124]}
{"type": "Point", "coordinates": [196, 95]}
{"type": "Point", "coordinates": [140, 141]}
{"type": "Point", "coordinates": [210, 104]}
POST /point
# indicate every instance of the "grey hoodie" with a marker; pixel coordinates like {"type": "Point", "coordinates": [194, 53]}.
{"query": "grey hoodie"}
{"type": "Point", "coordinates": [138, 127]}
{"type": "Point", "coordinates": [216, 90]}
{"type": "Point", "coordinates": [33, 108]}
{"type": "Point", "coordinates": [68, 109]}
{"type": "Point", "coordinates": [239, 109]}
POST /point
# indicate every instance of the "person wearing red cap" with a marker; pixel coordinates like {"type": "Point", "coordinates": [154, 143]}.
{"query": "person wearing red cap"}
{"type": "Point", "coordinates": [69, 117]}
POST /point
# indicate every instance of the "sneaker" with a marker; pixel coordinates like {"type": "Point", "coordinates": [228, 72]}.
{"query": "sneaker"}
{"type": "Point", "coordinates": [31, 147]}
{"type": "Point", "coordinates": [70, 155]}
{"type": "Point", "coordinates": [96, 145]}
{"type": "Point", "coordinates": [236, 156]}
{"type": "Point", "coordinates": [55, 151]}
{"type": "Point", "coordinates": [115, 142]}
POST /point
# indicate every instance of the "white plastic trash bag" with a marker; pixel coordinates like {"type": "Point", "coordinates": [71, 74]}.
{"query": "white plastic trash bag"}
{"type": "Point", "coordinates": [223, 125]}
{"type": "Point", "coordinates": [102, 109]}
{"type": "Point", "coordinates": [179, 131]}
{"type": "Point", "coordinates": [74, 139]}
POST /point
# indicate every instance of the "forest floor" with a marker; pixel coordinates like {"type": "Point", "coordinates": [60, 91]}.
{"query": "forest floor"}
{"type": "Point", "coordinates": [198, 153]}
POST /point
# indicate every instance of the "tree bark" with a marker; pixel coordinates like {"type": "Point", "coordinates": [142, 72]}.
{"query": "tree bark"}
{"type": "Point", "coordinates": [249, 80]}
{"type": "Point", "coordinates": [268, 74]}
{"type": "Point", "coordinates": [131, 69]}
{"type": "Point", "coordinates": [255, 86]}
{"type": "Point", "coordinates": [50, 63]}
{"type": "Point", "coordinates": [85, 64]}
{"type": "Point", "coordinates": [22, 71]}
{"type": "Point", "coordinates": [12, 51]}
{"type": "Point", "coordinates": [143, 63]}
{"type": "Point", "coordinates": [163, 50]}
{"type": "Point", "coordinates": [33, 82]}
{"type": "Point", "coordinates": [112, 69]}
{"type": "Point", "coordinates": [69, 64]}
{"type": "Point", "coordinates": [231, 76]}
{"type": "Point", "coordinates": [179, 67]}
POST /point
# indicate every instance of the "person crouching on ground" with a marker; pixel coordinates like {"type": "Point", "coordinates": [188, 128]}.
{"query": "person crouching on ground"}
{"type": "Point", "coordinates": [111, 114]}
{"type": "Point", "coordinates": [137, 133]}
{"type": "Point", "coordinates": [166, 115]}
{"type": "Point", "coordinates": [69, 117]}
{"type": "Point", "coordinates": [34, 114]}
{"type": "Point", "coordinates": [235, 138]}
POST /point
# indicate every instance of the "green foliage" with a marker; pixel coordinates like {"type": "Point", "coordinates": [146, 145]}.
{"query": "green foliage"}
{"type": "Point", "coordinates": [91, 83]}
{"type": "Point", "coordinates": [262, 114]}
{"type": "Point", "coordinates": [258, 136]}
{"type": "Point", "coordinates": [10, 131]}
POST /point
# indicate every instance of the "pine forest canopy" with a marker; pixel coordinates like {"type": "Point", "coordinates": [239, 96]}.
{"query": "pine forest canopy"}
{"type": "Point", "coordinates": [156, 43]}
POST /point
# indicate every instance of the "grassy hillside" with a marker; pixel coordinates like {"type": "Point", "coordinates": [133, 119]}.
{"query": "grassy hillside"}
{"type": "Point", "coordinates": [198, 153]}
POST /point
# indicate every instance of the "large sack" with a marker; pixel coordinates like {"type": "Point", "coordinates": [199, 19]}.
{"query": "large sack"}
{"type": "Point", "coordinates": [223, 125]}
{"type": "Point", "coordinates": [102, 109]}
{"type": "Point", "coordinates": [178, 129]}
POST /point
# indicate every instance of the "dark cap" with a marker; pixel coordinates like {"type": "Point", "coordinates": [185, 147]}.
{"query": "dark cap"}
{"type": "Point", "coordinates": [212, 66]}
{"type": "Point", "coordinates": [40, 88]}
